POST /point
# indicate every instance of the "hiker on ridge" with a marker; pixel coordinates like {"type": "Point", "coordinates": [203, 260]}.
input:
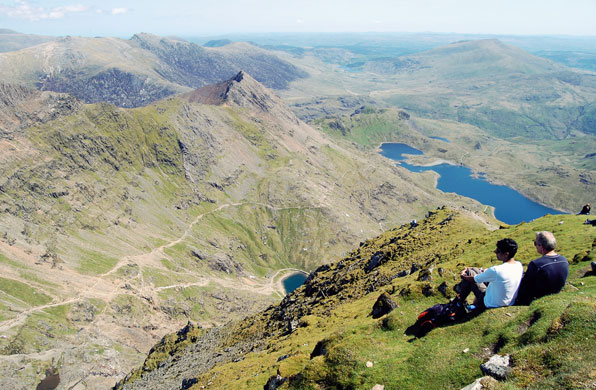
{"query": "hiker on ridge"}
{"type": "Point", "coordinates": [496, 286]}
{"type": "Point", "coordinates": [545, 275]}
{"type": "Point", "coordinates": [585, 210]}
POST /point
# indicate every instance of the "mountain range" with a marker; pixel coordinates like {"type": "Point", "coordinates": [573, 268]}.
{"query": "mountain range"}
{"type": "Point", "coordinates": [119, 225]}
{"type": "Point", "coordinates": [137, 71]}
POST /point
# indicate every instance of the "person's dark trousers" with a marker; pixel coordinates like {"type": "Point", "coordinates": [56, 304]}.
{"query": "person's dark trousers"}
{"type": "Point", "coordinates": [464, 288]}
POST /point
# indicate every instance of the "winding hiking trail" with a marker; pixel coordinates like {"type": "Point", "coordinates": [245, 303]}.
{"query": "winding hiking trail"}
{"type": "Point", "coordinates": [102, 287]}
{"type": "Point", "coordinates": [106, 329]}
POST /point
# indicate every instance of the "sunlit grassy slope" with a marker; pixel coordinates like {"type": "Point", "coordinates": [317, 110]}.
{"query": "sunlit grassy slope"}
{"type": "Point", "coordinates": [550, 342]}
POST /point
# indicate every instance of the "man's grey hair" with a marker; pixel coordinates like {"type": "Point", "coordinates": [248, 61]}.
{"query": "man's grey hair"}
{"type": "Point", "coordinates": [546, 240]}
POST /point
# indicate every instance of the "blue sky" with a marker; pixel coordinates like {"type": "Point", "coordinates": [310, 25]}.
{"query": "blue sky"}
{"type": "Point", "coordinates": [214, 17]}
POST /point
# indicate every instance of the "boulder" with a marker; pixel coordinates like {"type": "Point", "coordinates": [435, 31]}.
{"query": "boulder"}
{"type": "Point", "coordinates": [374, 262]}
{"type": "Point", "coordinates": [187, 383]}
{"type": "Point", "coordinates": [497, 367]}
{"type": "Point", "coordinates": [443, 289]}
{"type": "Point", "coordinates": [383, 305]}
{"type": "Point", "coordinates": [320, 349]}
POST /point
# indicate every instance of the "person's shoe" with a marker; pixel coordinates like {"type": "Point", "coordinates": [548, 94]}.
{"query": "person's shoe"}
{"type": "Point", "coordinates": [470, 308]}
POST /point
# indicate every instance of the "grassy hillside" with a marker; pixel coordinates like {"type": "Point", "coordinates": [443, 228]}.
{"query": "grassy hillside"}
{"type": "Point", "coordinates": [322, 336]}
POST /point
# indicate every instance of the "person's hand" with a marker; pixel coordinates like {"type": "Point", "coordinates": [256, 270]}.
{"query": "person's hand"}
{"type": "Point", "coordinates": [464, 272]}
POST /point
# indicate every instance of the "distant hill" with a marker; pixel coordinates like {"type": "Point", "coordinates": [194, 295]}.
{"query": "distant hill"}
{"type": "Point", "coordinates": [217, 43]}
{"type": "Point", "coordinates": [497, 87]}
{"type": "Point", "coordinates": [12, 40]}
{"type": "Point", "coordinates": [135, 72]}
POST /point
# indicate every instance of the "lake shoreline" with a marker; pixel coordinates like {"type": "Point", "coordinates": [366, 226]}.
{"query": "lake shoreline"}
{"type": "Point", "coordinates": [465, 181]}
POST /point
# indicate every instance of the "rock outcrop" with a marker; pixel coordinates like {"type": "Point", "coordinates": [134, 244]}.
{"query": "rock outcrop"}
{"type": "Point", "coordinates": [21, 107]}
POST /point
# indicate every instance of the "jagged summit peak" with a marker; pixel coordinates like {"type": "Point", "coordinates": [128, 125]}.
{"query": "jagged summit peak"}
{"type": "Point", "coordinates": [242, 90]}
{"type": "Point", "coordinates": [239, 76]}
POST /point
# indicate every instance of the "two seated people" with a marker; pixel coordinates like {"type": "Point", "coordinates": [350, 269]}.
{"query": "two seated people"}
{"type": "Point", "coordinates": [503, 285]}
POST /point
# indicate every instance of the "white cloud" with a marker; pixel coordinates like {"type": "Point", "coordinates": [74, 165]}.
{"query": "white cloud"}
{"type": "Point", "coordinates": [23, 10]}
{"type": "Point", "coordinates": [119, 11]}
{"type": "Point", "coordinates": [299, 21]}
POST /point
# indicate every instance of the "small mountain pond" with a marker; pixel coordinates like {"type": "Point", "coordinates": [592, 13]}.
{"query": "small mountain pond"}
{"type": "Point", "coordinates": [293, 281]}
{"type": "Point", "coordinates": [510, 206]}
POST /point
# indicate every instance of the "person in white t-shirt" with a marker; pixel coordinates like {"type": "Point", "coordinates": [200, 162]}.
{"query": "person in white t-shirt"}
{"type": "Point", "coordinates": [496, 286]}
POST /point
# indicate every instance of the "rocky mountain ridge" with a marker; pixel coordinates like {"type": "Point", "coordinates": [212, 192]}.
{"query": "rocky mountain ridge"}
{"type": "Point", "coordinates": [138, 71]}
{"type": "Point", "coordinates": [21, 107]}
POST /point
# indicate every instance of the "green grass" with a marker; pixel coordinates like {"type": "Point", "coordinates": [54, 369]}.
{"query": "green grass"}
{"type": "Point", "coordinates": [12, 263]}
{"type": "Point", "coordinates": [255, 135]}
{"type": "Point", "coordinates": [42, 330]}
{"type": "Point", "coordinates": [23, 292]}
{"type": "Point", "coordinates": [162, 278]}
{"type": "Point", "coordinates": [368, 129]}
{"type": "Point", "coordinates": [95, 263]}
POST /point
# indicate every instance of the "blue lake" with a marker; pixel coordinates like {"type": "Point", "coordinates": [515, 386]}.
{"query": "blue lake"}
{"type": "Point", "coordinates": [396, 151]}
{"type": "Point", "coordinates": [293, 281]}
{"type": "Point", "coordinates": [510, 206]}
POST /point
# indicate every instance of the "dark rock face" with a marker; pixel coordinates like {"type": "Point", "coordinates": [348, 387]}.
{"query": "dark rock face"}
{"type": "Point", "coordinates": [374, 262]}
{"type": "Point", "coordinates": [192, 65]}
{"type": "Point", "coordinates": [383, 305]}
{"type": "Point", "coordinates": [187, 383]}
{"type": "Point", "coordinates": [320, 349]}
{"type": "Point", "coordinates": [123, 89]}
{"type": "Point", "coordinates": [224, 263]}
{"type": "Point", "coordinates": [425, 275]}
{"type": "Point", "coordinates": [443, 289]}
{"type": "Point", "coordinates": [427, 290]}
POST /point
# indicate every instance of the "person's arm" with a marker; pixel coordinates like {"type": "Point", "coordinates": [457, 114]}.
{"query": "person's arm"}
{"type": "Point", "coordinates": [487, 276]}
